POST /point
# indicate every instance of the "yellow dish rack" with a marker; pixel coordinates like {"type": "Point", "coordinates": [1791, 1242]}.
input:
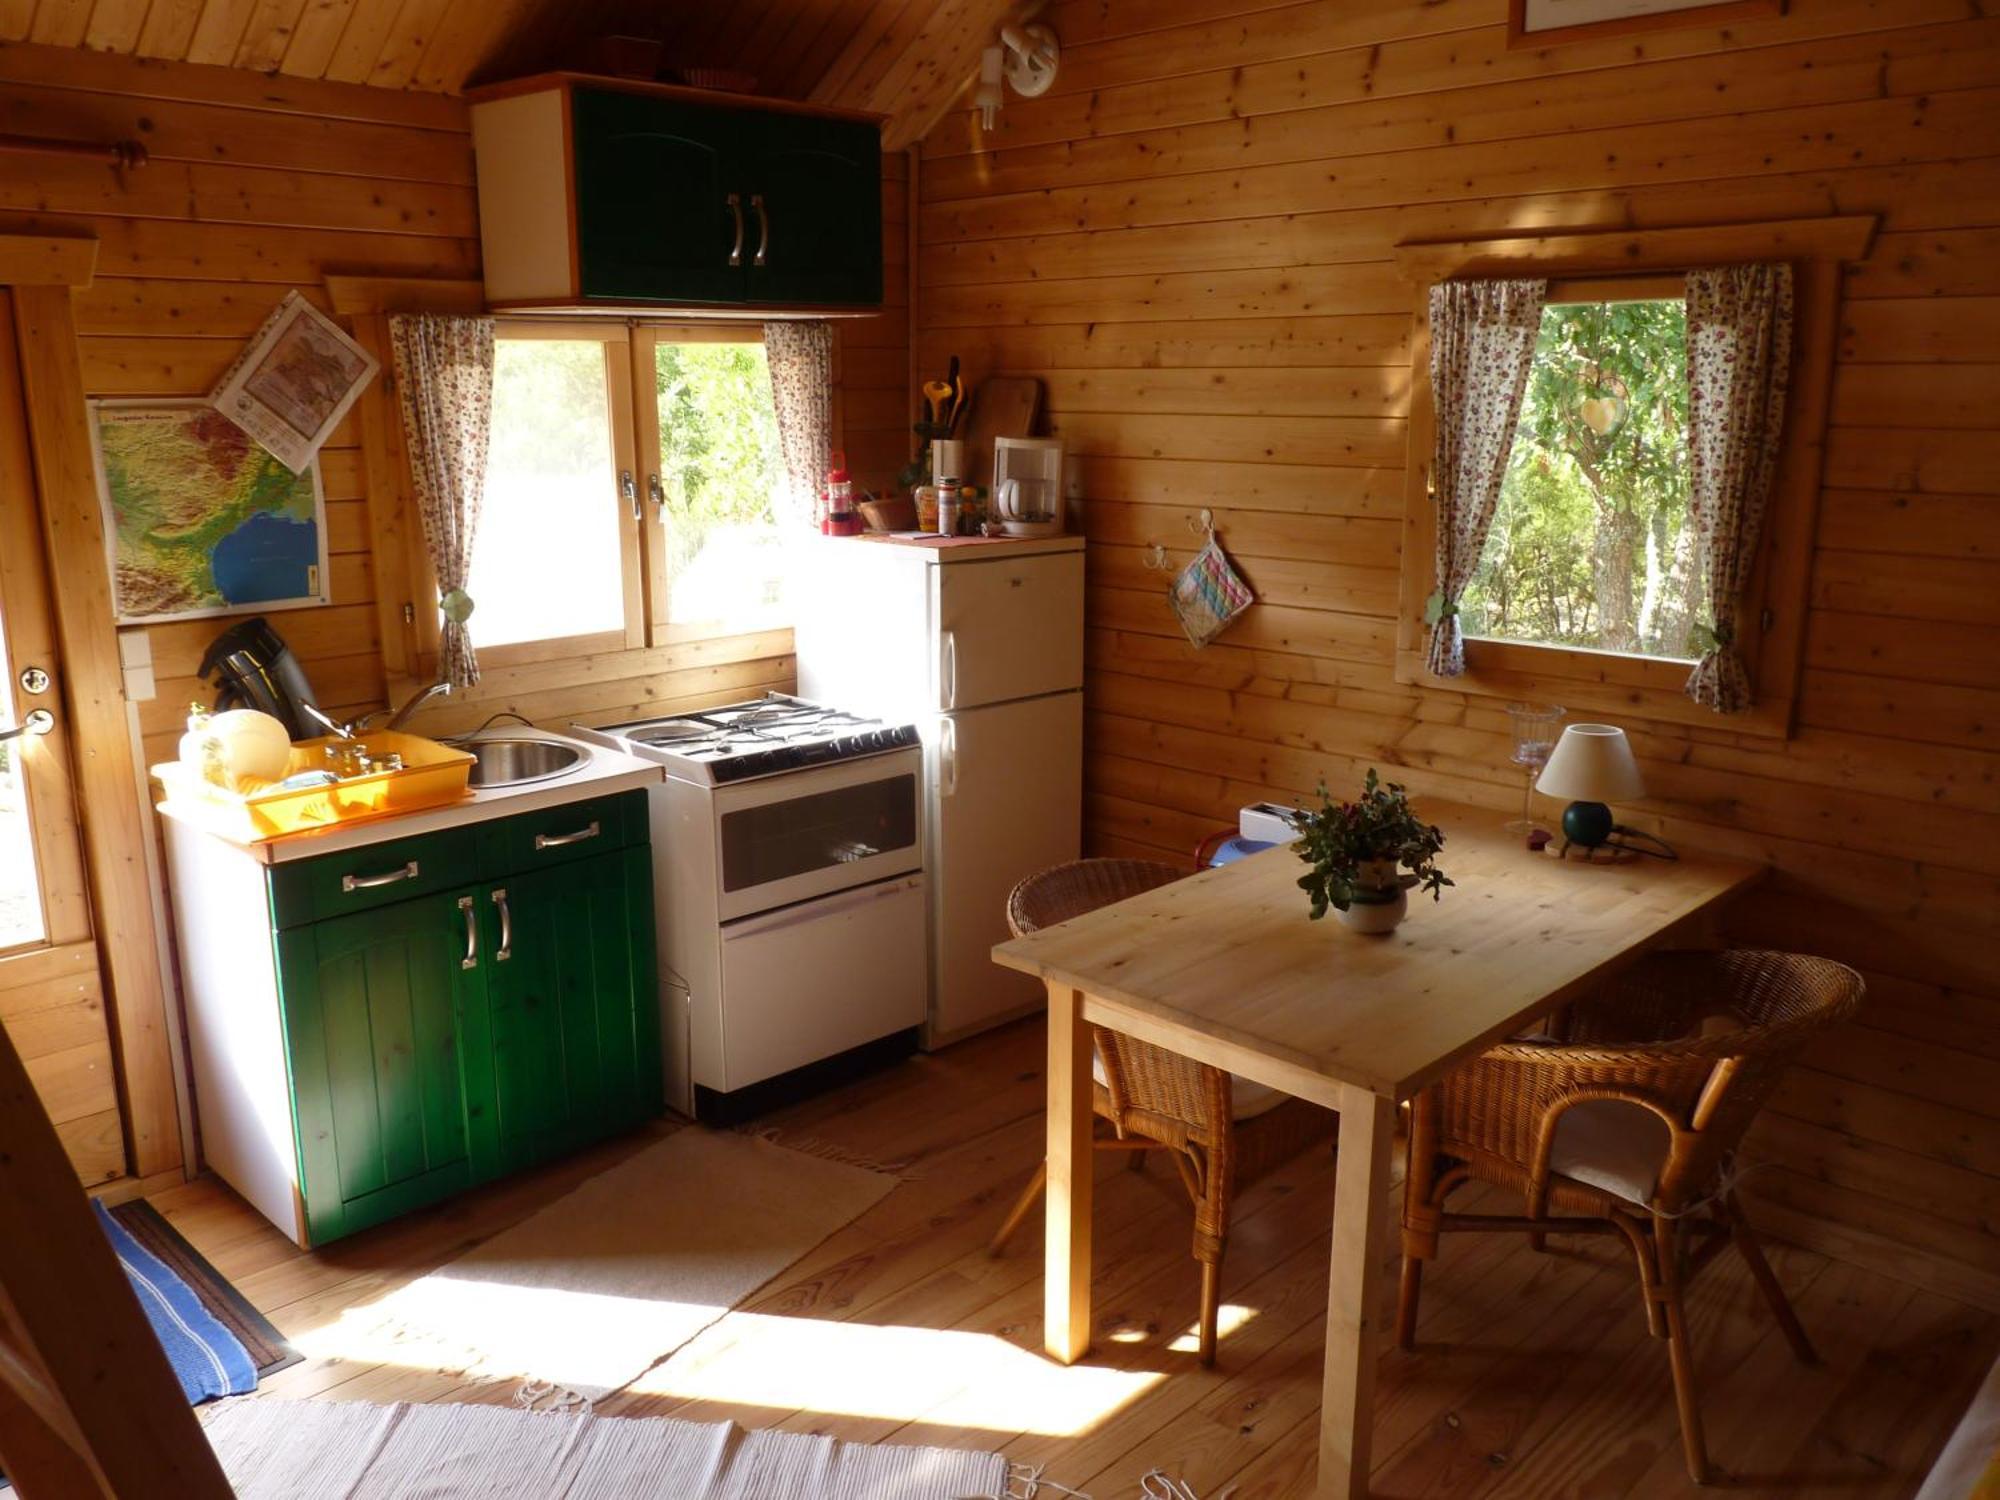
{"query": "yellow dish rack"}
{"type": "Point", "coordinates": [431, 776]}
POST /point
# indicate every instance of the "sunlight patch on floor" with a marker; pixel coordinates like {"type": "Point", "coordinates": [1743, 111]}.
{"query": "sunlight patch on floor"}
{"type": "Point", "coordinates": [1228, 1319]}
{"type": "Point", "coordinates": [942, 1376]}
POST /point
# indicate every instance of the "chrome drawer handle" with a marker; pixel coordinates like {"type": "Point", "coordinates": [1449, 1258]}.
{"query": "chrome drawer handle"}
{"type": "Point", "coordinates": [387, 877]}
{"type": "Point", "coordinates": [506, 949]}
{"type": "Point", "coordinates": [471, 959]}
{"type": "Point", "coordinates": [557, 840]}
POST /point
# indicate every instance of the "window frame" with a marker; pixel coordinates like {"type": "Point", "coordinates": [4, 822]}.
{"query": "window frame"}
{"type": "Point", "coordinates": [1600, 266]}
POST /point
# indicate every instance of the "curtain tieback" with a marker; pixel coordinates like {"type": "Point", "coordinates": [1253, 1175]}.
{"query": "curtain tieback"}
{"type": "Point", "coordinates": [1706, 638]}
{"type": "Point", "coordinates": [455, 605]}
{"type": "Point", "coordinates": [1437, 608]}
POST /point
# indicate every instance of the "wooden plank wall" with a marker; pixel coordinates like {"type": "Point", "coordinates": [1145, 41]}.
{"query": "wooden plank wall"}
{"type": "Point", "coordinates": [1190, 238]}
{"type": "Point", "coordinates": [260, 184]}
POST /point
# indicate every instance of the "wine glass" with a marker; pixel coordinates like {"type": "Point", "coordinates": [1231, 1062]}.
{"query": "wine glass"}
{"type": "Point", "coordinates": [1534, 728]}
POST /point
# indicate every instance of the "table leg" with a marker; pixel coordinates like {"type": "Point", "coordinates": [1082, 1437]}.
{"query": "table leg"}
{"type": "Point", "coordinates": [1066, 1290]}
{"type": "Point", "coordinates": [1357, 1287]}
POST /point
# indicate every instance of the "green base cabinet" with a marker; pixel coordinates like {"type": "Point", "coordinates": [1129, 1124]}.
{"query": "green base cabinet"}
{"type": "Point", "coordinates": [430, 1013]}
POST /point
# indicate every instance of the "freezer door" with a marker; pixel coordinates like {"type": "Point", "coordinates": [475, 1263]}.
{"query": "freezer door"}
{"type": "Point", "coordinates": [815, 979]}
{"type": "Point", "coordinates": [1010, 628]}
{"type": "Point", "coordinates": [1008, 789]}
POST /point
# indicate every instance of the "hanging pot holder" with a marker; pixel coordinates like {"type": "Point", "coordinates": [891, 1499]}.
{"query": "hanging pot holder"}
{"type": "Point", "coordinates": [1209, 594]}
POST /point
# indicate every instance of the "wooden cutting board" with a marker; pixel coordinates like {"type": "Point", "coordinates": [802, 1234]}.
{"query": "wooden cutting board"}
{"type": "Point", "coordinates": [1002, 406]}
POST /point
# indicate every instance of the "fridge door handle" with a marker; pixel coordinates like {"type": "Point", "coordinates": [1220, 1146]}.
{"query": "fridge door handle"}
{"type": "Point", "coordinates": [948, 758]}
{"type": "Point", "coordinates": [948, 668]}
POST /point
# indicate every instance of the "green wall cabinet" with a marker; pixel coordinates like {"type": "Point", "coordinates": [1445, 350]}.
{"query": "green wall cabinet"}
{"type": "Point", "coordinates": [676, 197]}
{"type": "Point", "coordinates": [428, 1013]}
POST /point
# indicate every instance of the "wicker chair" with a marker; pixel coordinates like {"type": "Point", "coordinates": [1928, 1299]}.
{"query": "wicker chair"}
{"type": "Point", "coordinates": [1218, 1129]}
{"type": "Point", "coordinates": [1626, 1124]}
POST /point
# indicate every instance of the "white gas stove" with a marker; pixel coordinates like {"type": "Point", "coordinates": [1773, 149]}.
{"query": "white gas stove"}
{"type": "Point", "coordinates": [788, 878]}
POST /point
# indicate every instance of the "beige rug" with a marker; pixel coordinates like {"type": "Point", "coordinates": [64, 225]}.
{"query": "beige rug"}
{"type": "Point", "coordinates": [587, 1294]}
{"type": "Point", "coordinates": [351, 1450]}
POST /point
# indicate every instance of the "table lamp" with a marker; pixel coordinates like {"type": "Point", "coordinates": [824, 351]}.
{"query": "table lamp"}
{"type": "Point", "coordinates": [1592, 765]}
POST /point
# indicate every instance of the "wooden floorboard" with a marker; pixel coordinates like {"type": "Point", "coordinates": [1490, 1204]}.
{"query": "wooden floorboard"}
{"type": "Point", "coordinates": [1533, 1375]}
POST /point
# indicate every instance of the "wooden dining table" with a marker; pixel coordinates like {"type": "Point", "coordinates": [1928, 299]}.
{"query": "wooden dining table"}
{"type": "Point", "coordinates": [1227, 968]}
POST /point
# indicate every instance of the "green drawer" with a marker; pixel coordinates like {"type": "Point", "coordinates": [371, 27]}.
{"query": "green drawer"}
{"type": "Point", "coordinates": [557, 835]}
{"type": "Point", "coordinates": [373, 875]}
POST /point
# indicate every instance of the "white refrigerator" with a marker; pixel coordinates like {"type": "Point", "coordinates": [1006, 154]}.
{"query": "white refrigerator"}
{"type": "Point", "coordinates": [982, 648]}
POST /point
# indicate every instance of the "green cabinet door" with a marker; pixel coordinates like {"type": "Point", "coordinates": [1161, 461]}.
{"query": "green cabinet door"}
{"type": "Point", "coordinates": [654, 183]}
{"type": "Point", "coordinates": [572, 1017]}
{"type": "Point", "coordinates": [815, 195]}
{"type": "Point", "coordinates": [371, 1005]}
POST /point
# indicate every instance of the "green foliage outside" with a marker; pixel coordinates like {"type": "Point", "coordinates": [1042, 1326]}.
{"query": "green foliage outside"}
{"type": "Point", "coordinates": [549, 415]}
{"type": "Point", "coordinates": [719, 466]}
{"type": "Point", "coordinates": [1590, 544]}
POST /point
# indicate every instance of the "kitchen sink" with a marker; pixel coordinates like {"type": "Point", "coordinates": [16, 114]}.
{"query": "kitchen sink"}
{"type": "Point", "coordinates": [511, 760]}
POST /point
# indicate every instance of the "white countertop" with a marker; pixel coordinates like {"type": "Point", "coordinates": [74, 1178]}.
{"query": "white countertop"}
{"type": "Point", "coordinates": [603, 770]}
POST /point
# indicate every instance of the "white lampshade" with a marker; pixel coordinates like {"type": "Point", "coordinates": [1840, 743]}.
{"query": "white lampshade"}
{"type": "Point", "coordinates": [1592, 763]}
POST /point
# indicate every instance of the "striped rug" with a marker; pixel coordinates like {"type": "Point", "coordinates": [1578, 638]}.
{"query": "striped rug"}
{"type": "Point", "coordinates": [335, 1450]}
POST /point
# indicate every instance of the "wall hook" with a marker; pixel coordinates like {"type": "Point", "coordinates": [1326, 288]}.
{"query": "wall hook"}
{"type": "Point", "coordinates": [1156, 558]}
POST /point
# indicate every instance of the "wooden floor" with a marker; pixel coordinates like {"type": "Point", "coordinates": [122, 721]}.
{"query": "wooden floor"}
{"type": "Point", "coordinates": [1534, 1377]}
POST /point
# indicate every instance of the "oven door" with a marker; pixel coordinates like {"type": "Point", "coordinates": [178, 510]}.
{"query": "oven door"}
{"type": "Point", "coordinates": [810, 833]}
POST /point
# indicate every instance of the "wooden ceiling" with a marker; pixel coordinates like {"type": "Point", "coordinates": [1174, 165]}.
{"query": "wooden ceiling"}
{"type": "Point", "coordinates": [905, 59]}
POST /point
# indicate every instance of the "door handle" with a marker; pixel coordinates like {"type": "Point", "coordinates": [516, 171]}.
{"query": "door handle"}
{"type": "Point", "coordinates": [557, 840]}
{"type": "Point", "coordinates": [38, 721]}
{"type": "Point", "coordinates": [948, 758]}
{"type": "Point", "coordinates": [948, 668]}
{"type": "Point", "coordinates": [629, 491]}
{"type": "Point", "coordinates": [506, 949]}
{"type": "Point", "coordinates": [736, 208]}
{"type": "Point", "coordinates": [763, 229]}
{"type": "Point", "coordinates": [387, 877]}
{"type": "Point", "coordinates": [471, 959]}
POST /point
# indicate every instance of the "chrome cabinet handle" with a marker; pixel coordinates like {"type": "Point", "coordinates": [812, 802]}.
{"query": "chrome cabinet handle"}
{"type": "Point", "coordinates": [38, 721]}
{"type": "Point", "coordinates": [557, 840]}
{"type": "Point", "coordinates": [736, 250]}
{"type": "Point", "coordinates": [387, 877]}
{"type": "Point", "coordinates": [506, 949]}
{"type": "Point", "coordinates": [763, 229]}
{"type": "Point", "coordinates": [471, 959]}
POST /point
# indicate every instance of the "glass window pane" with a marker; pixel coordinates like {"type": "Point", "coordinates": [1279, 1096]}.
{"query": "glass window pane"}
{"type": "Point", "coordinates": [547, 562]}
{"type": "Point", "coordinates": [20, 885]}
{"type": "Point", "coordinates": [719, 466]}
{"type": "Point", "coordinates": [1590, 544]}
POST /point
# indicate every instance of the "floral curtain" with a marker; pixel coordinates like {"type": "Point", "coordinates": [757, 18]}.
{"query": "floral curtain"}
{"type": "Point", "coordinates": [1739, 336]}
{"type": "Point", "coordinates": [800, 354]}
{"type": "Point", "coordinates": [444, 385]}
{"type": "Point", "coordinates": [1482, 347]}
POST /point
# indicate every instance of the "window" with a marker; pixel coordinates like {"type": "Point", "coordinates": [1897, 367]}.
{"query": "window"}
{"type": "Point", "coordinates": [630, 491]}
{"type": "Point", "coordinates": [718, 472]}
{"type": "Point", "coordinates": [1590, 544]}
{"type": "Point", "coordinates": [1587, 585]}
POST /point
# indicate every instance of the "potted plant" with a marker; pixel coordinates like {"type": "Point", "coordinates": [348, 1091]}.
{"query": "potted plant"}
{"type": "Point", "coordinates": [1366, 854]}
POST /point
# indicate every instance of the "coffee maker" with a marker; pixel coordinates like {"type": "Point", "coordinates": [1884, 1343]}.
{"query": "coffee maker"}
{"type": "Point", "coordinates": [1028, 486]}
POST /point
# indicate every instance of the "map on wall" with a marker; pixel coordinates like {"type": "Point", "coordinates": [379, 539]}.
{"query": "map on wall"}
{"type": "Point", "coordinates": [198, 519]}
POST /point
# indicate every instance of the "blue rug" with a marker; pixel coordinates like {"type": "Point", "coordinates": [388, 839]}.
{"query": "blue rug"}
{"type": "Point", "coordinates": [208, 1359]}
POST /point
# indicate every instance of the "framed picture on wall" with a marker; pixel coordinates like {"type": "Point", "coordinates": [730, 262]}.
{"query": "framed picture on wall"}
{"type": "Point", "coordinates": [1538, 23]}
{"type": "Point", "coordinates": [199, 520]}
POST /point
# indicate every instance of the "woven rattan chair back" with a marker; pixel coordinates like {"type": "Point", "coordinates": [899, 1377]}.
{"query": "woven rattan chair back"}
{"type": "Point", "coordinates": [1188, 1097]}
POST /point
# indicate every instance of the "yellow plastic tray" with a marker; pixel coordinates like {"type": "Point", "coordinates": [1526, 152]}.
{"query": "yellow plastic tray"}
{"type": "Point", "coordinates": [432, 776]}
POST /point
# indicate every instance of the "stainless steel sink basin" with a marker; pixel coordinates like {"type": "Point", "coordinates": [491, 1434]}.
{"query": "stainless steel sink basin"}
{"type": "Point", "coordinates": [509, 760]}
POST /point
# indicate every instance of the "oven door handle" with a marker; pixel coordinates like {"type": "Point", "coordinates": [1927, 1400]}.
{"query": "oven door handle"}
{"type": "Point", "coordinates": [814, 911]}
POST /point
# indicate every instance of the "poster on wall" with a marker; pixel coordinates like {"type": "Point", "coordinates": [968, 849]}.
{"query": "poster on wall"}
{"type": "Point", "coordinates": [1538, 22]}
{"type": "Point", "coordinates": [294, 381]}
{"type": "Point", "coordinates": [199, 520]}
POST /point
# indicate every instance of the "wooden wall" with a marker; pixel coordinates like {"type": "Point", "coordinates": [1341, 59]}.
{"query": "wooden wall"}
{"type": "Point", "coordinates": [1190, 240]}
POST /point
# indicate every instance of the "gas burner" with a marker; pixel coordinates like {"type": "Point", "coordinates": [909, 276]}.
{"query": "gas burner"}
{"type": "Point", "coordinates": [761, 738]}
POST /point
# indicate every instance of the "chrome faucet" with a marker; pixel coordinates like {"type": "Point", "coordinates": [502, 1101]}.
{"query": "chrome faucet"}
{"type": "Point", "coordinates": [404, 714]}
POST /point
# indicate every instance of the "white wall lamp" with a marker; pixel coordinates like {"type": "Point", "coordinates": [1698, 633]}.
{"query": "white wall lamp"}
{"type": "Point", "coordinates": [1027, 57]}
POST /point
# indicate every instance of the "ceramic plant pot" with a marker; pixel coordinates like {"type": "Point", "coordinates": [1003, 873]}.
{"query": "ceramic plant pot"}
{"type": "Point", "coordinates": [1376, 911]}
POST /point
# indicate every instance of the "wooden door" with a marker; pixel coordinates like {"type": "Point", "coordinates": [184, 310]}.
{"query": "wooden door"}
{"type": "Point", "coordinates": [371, 1008]}
{"type": "Point", "coordinates": [655, 221]}
{"type": "Point", "coordinates": [815, 202]}
{"type": "Point", "coordinates": [51, 990]}
{"type": "Point", "coordinates": [574, 1025]}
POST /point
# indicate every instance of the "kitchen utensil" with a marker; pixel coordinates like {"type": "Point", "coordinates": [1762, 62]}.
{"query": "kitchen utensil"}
{"type": "Point", "coordinates": [429, 776]}
{"type": "Point", "coordinates": [1001, 406]}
